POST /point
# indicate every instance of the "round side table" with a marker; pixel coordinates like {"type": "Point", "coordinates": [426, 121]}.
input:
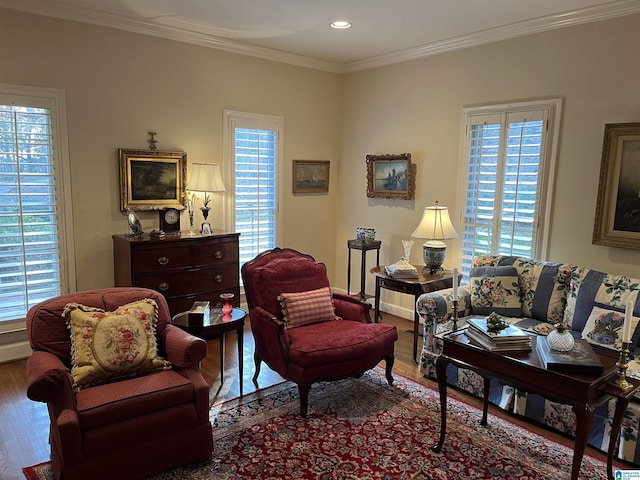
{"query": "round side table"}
{"type": "Point", "coordinates": [217, 327]}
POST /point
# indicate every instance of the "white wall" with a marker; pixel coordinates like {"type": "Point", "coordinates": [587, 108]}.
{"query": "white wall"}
{"type": "Point", "coordinates": [121, 85]}
{"type": "Point", "coordinates": [416, 107]}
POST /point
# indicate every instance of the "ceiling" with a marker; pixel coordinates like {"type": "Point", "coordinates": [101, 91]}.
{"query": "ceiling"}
{"type": "Point", "coordinates": [298, 32]}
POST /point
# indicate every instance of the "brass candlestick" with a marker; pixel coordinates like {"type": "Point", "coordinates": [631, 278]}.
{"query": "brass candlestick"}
{"type": "Point", "coordinates": [454, 316]}
{"type": "Point", "coordinates": [621, 381]}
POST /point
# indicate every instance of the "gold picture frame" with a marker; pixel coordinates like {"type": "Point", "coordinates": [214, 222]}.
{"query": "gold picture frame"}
{"type": "Point", "coordinates": [151, 179]}
{"type": "Point", "coordinates": [311, 176]}
{"type": "Point", "coordinates": [617, 219]}
{"type": "Point", "coordinates": [391, 176]}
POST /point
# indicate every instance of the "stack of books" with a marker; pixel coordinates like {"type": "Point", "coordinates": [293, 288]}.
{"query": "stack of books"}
{"type": "Point", "coordinates": [508, 339]}
{"type": "Point", "coordinates": [401, 269]}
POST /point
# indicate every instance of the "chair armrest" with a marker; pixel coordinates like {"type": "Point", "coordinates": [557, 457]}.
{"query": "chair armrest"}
{"type": "Point", "coordinates": [268, 331]}
{"type": "Point", "coordinates": [49, 380]}
{"type": "Point", "coordinates": [351, 308]}
{"type": "Point", "coordinates": [182, 348]}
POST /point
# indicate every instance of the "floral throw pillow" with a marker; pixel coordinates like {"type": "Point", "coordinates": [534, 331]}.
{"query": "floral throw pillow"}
{"type": "Point", "coordinates": [304, 308]}
{"type": "Point", "coordinates": [604, 327]}
{"type": "Point", "coordinates": [106, 346]}
{"type": "Point", "coordinates": [495, 289]}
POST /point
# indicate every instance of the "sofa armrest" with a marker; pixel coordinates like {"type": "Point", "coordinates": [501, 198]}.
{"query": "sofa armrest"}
{"type": "Point", "coordinates": [351, 308]}
{"type": "Point", "coordinates": [435, 308]}
{"type": "Point", "coordinates": [182, 348]}
{"type": "Point", "coordinates": [49, 381]}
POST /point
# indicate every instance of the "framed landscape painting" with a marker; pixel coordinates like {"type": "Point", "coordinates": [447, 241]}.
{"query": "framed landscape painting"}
{"type": "Point", "coordinates": [391, 176]}
{"type": "Point", "coordinates": [617, 219]}
{"type": "Point", "coordinates": [311, 176]}
{"type": "Point", "coordinates": [151, 180]}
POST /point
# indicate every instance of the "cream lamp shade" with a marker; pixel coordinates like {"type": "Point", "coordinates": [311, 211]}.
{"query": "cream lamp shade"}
{"type": "Point", "coordinates": [435, 226]}
{"type": "Point", "coordinates": [205, 178]}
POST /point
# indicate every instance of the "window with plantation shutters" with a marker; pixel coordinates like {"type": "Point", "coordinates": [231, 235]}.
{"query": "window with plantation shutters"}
{"type": "Point", "coordinates": [33, 254]}
{"type": "Point", "coordinates": [509, 152]}
{"type": "Point", "coordinates": [253, 150]}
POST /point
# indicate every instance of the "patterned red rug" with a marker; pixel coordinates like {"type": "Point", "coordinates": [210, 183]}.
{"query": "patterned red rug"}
{"type": "Point", "coordinates": [366, 429]}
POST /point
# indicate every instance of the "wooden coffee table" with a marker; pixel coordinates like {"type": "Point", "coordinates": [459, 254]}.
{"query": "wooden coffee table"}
{"type": "Point", "coordinates": [217, 327]}
{"type": "Point", "coordinates": [524, 371]}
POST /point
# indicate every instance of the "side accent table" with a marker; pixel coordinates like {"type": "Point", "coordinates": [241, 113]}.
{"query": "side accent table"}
{"type": "Point", "coordinates": [413, 286]}
{"type": "Point", "coordinates": [217, 327]}
{"type": "Point", "coordinates": [364, 247]}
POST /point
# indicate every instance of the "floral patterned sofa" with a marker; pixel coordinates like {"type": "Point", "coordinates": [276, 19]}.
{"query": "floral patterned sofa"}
{"type": "Point", "coordinates": [536, 295]}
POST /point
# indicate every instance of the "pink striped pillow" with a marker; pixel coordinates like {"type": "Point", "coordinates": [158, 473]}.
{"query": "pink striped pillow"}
{"type": "Point", "coordinates": [307, 307]}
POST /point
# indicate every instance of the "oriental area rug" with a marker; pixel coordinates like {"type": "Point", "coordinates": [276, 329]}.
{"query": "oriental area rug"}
{"type": "Point", "coordinates": [366, 429]}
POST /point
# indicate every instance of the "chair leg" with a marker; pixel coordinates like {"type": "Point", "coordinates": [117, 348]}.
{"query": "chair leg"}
{"type": "Point", "coordinates": [389, 366]}
{"type": "Point", "coordinates": [257, 360]}
{"type": "Point", "coordinates": [303, 391]}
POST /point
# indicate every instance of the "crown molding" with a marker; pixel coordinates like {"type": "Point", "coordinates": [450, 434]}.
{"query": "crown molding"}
{"type": "Point", "coordinates": [519, 29]}
{"type": "Point", "coordinates": [528, 27]}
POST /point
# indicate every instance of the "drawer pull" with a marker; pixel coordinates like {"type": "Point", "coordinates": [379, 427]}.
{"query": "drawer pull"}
{"type": "Point", "coordinates": [163, 260]}
{"type": "Point", "coordinates": [218, 254]}
{"type": "Point", "coordinates": [218, 278]}
{"type": "Point", "coordinates": [163, 287]}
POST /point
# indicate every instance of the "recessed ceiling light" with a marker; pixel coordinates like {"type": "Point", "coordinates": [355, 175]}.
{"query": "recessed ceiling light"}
{"type": "Point", "coordinates": [340, 24]}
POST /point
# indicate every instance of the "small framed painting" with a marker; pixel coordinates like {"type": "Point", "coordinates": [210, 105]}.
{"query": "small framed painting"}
{"type": "Point", "coordinates": [311, 176]}
{"type": "Point", "coordinates": [151, 180]}
{"type": "Point", "coordinates": [617, 219]}
{"type": "Point", "coordinates": [391, 176]}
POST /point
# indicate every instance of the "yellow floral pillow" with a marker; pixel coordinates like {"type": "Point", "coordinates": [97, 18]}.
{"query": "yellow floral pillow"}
{"type": "Point", "coordinates": [112, 345]}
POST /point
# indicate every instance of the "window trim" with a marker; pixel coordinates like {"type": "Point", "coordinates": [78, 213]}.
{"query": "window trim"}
{"type": "Point", "coordinates": [257, 121]}
{"type": "Point", "coordinates": [56, 102]}
{"type": "Point", "coordinates": [544, 220]}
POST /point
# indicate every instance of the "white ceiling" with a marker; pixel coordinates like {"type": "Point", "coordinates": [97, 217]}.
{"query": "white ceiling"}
{"type": "Point", "coordinates": [298, 32]}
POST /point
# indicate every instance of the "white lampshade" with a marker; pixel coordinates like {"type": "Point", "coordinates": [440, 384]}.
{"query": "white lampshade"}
{"type": "Point", "coordinates": [435, 226]}
{"type": "Point", "coordinates": [205, 177]}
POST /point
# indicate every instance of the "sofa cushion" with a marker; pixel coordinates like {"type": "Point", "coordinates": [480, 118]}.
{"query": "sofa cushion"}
{"type": "Point", "coordinates": [114, 402]}
{"type": "Point", "coordinates": [593, 290]}
{"type": "Point", "coordinates": [604, 327]}
{"type": "Point", "coordinates": [308, 307]}
{"type": "Point", "coordinates": [110, 345]}
{"type": "Point", "coordinates": [495, 289]}
{"type": "Point", "coordinates": [543, 285]}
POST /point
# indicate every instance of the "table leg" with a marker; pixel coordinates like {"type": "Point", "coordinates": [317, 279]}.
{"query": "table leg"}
{"type": "Point", "coordinates": [377, 301]}
{"type": "Point", "coordinates": [416, 325]}
{"type": "Point", "coordinates": [349, 274]}
{"type": "Point", "coordinates": [485, 401]}
{"type": "Point", "coordinates": [222, 359]}
{"type": "Point", "coordinates": [241, 353]}
{"type": "Point", "coordinates": [621, 407]}
{"type": "Point", "coordinates": [584, 419]}
{"type": "Point", "coordinates": [363, 267]}
{"type": "Point", "coordinates": [441, 373]}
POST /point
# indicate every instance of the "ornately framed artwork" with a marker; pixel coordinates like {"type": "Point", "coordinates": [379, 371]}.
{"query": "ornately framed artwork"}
{"type": "Point", "coordinates": [311, 176]}
{"type": "Point", "coordinates": [617, 220]}
{"type": "Point", "coordinates": [151, 179]}
{"type": "Point", "coordinates": [391, 176]}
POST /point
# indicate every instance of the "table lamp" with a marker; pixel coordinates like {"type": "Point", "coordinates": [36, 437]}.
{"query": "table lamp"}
{"type": "Point", "coordinates": [435, 226]}
{"type": "Point", "coordinates": [205, 178]}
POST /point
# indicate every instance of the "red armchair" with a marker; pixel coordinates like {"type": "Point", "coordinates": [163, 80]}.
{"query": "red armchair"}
{"type": "Point", "coordinates": [323, 351]}
{"type": "Point", "coordinates": [125, 429]}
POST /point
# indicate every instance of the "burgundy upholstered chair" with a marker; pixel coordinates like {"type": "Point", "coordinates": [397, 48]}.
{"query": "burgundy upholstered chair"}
{"type": "Point", "coordinates": [313, 352]}
{"type": "Point", "coordinates": [129, 428]}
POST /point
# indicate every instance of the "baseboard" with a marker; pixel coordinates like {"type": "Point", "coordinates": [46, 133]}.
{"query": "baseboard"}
{"type": "Point", "coordinates": [14, 351]}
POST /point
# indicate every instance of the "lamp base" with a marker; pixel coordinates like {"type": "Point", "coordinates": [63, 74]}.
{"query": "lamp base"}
{"type": "Point", "coordinates": [205, 228]}
{"type": "Point", "coordinates": [433, 254]}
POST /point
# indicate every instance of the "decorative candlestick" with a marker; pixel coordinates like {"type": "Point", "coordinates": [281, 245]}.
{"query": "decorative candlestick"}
{"type": "Point", "coordinates": [455, 314]}
{"type": "Point", "coordinates": [621, 381]}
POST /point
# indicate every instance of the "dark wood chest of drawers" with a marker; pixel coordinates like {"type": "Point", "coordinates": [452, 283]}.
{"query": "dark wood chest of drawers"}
{"type": "Point", "coordinates": [184, 269]}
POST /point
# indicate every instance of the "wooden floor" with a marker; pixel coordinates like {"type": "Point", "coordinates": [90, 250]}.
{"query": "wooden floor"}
{"type": "Point", "coordinates": [24, 424]}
